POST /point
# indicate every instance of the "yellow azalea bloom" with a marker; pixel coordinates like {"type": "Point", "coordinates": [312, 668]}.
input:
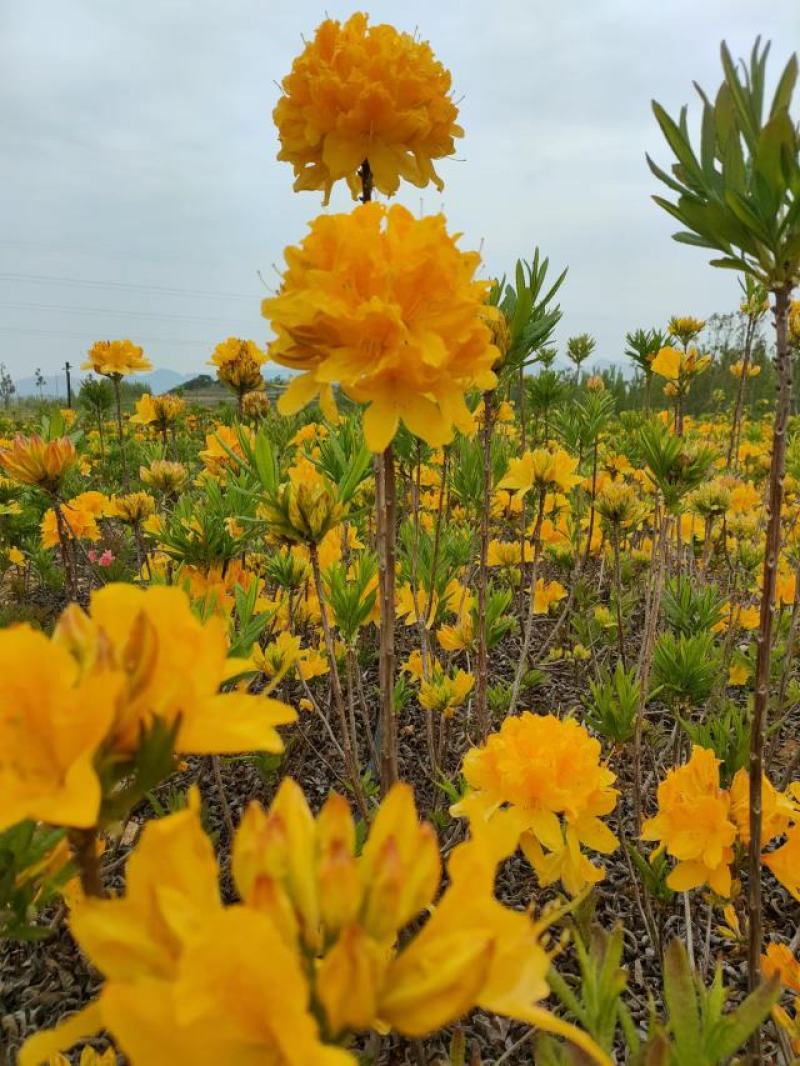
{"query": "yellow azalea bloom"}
{"type": "Point", "coordinates": [685, 327]}
{"type": "Point", "coordinates": [312, 663]}
{"type": "Point", "coordinates": [694, 823]}
{"type": "Point", "coordinates": [346, 910]}
{"type": "Point", "coordinates": [779, 960]}
{"type": "Point", "coordinates": [15, 557]}
{"type": "Point", "coordinates": [542, 469]}
{"type": "Point", "coordinates": [546, 594]}
{"type": "Point", "coordinates": [186, 978]}
{"type": "Point", "coordinates": [116, 358]}
{"type": "Point", "coordinates": [785, 862]}
{"type": "Point", "coordinates": [777, 808]}
{"type": "Point", "coordinates": [161, 411]}
{"type": "Point", "coordinates": [133, 508]}
{"type": "Point", "coordinates": [234, 349]}
{"type": "Point", "coordinates": [738, 369]}
{"type": "Point", "coordinates": [145, 411]}
{"type": "Point", "coordinates": [79, 524]}
{"type": "Point", "coordinates": [444, 694]}
{"type": "Point", "coordinates": [171, 666]}
{"type": "Point", "coordinates": [216, 457]}
{"type": "Point", "coordinates": [507, 553]}
{"type": "Point", "coordinates": [34, 461]}
{"type": "Point", "coordinates": [460, 636]}
{"type": "Point", "coordinates": [738, 674]}
{"type": "Point", "coordinates": [51, 725]}
{"type": "Point", "coordinates": [306, 507]}
{"type": "Point", "coordinates": [164, 475]}
{"type": "Point", "coordinates": [667, 363]}
{"type": "Point", "coordinates": [238, 365]}
{"type": "Point", "coordinates": [543, 770]}
{"type": "Point", "coordinates": [386, 306]}
{"type": "Point", "coordinates": [361, 92]}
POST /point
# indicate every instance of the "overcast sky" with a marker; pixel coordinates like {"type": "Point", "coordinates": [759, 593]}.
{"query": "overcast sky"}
{"type": "Point", "coordinates": [141, 196]}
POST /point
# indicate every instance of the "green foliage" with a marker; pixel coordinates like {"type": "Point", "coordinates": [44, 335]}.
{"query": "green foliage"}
{"type": "Point", "coordinates": [727, 732]}
{"type": "Point", "coordinates": [653, 874]}
{"type": "Point", "coordinates": [611, 711]}
{"type": "Point", "coordinates": [526, 307]}
{"type": "Point", "coordinates": [738, 193]}
{"type": "Point", "coordinates": [697, 1032]}
{"type": "Point", "coordinates": [641, 347]}
{"type": "Point", "coordinates": [498, 622]}
{"type": "Point", "coordinates": [691, 609]}
{"type": "Point", "coordinates": [31, 875]}
{"type": "Point", "coordinates": [349, 594]}
{"type": "Point", "coordinates": [676, 465]}
{"type": "Point", "coordinates": [199, 530]}
{"type": "Point", "coordinates": [685, 668]}
{"type": "Point", "coordinates": [595, 1002]}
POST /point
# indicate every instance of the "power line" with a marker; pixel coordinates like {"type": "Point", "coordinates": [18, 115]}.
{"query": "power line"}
{"type": "Point", "coordinates": [168, 291]}
{"type": "Point", "coordinates": [30, 306]}
{"type": "Point", "coordinates": [82, 336]}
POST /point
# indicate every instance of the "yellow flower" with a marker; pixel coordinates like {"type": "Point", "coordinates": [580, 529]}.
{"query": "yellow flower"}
{"type": "Point", "coordinates": [239, 365]}
{"type": "Point", "coordinates": [694, 823]}
{"type": "Point", "coordinates": [189, 978]}
{"type": "Point", "coordinates": [34, 461]}
{"type": "Point", "coordinates": [738, 370]}
{"type": "Point", "coordinates": [443, 693]}
{"type": "Point", "coordinates": [15, 557]}
{"type": "Point", "coordinates": [387, 306]}
{"type": "Point", "coordinates": [738, 674]}
{"type": "Point", "coordinates": [185, 977]}
{"type": "Point", "coordinates": [667, 363]}
{"type": "Point", "coordinates": [133, 508]}
{"type": "Point", "coordinates": [684, 327]}
{"type": "Point", "coordinates": [305, 508]}
{"type": "Point", "coordinates": [777, 808]}
{"type": "Point", "coordinates": [159, 410]}
{"type": "Point", "coordinates": [547, 593]}
{"type": "Point", "coordinates": [116, 358]}
{"type": "Point", "coordinates": [79, 524]}
{"type": "Point", "coordinates": [216, 457]}
{"type": "Point", "coordinates": [360, 93]}
{"type": "Point", "coordinates": [507, 553]}
{"type": "Point", "coordinates": [543, 469]}
{"type": "Point", "coordinates": [51, 724]}
{"type": "Point", "coordinates": [544, 769]}
{"type": "Point", "coordinates": [780, 960]}
{"type": "Point", "coordinates": [785, 862]}
{"type": "Point", "coordinates": [347, 911]}
{"type": "Point", "coordinates": [171, 666]}
{"type": "Point", "coordinates": [234, 349]}
{"type": "Point", "coordinates": [164, 475]}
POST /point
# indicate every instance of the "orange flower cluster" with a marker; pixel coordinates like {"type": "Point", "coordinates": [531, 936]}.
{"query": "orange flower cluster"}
{"type": "Point", "coordinates": [536, 771]}
{"type": "Point", "coordinates": [116, 358]}
{"type": "Point", "coordinates": [360, 92]}
{"type": "Point", "coordinates": [698, 823]}
{"type": "Point", "coordinates": [388, 307]}
{"type": "Point", "coordinates": [34, 461]}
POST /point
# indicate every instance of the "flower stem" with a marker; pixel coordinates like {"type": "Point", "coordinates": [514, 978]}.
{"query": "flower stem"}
{"type": "Point", "coordinates": [764, 636]}
{"type": "Point", "coordinates": [83, 843]}
{"type": "Point", "coordinates": [385, 522]}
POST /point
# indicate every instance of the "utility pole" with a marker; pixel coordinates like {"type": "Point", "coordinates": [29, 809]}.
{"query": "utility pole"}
{"type": "Point", "coordinates": [69, 385]}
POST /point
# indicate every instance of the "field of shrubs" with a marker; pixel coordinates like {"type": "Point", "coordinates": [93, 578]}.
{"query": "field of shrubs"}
{"type": "Point", "coordinates": [442, 708]}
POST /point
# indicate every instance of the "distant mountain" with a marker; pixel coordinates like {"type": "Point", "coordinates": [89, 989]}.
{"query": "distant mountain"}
{"type": "Point", "coordinates": [55, 385]}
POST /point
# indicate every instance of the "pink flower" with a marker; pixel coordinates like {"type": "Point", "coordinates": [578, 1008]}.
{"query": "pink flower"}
{"type": "Point", "coordinates": [92, 555]}
{"type": "Point", "coordinates": [107, 558]}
